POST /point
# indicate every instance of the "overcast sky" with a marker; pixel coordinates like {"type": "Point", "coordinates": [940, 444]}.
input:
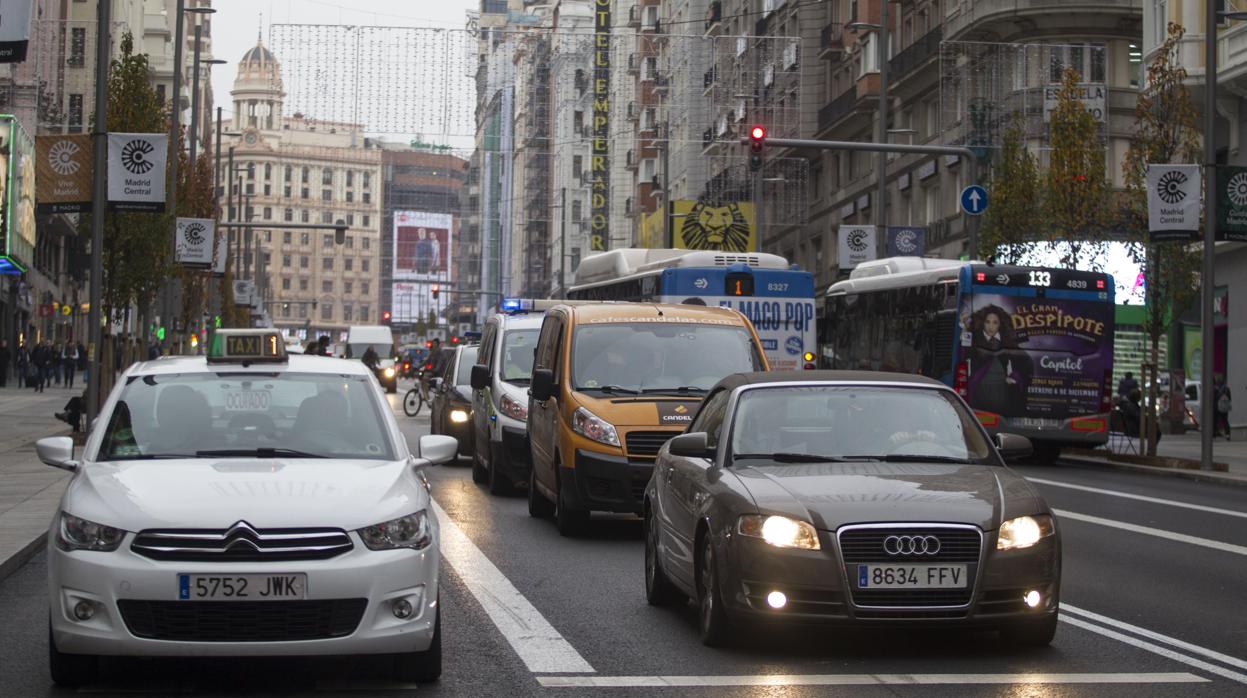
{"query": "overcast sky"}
{"type": "Point", "coordinates": [237, 22]}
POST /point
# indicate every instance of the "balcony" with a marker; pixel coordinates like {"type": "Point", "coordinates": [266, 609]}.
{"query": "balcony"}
{"type": "Point", "coordinates": [707, 138]}
{"type": "Point", "coordinates": [661, 83]}
{"type": "Point", "coordinates": [630, 161]}
{"type": "Point", "coordinates": [634, 64]}
{"type": "Point", "coordinates": [832, 43]}
{"type": "Point", "coordinates": [916, 54]}
{"type": "Point", "coordinates": [634, 16]}
{"type": "Point", "coordinates": [835, 110]}
{"type": "Point", "coordinates": [707, 80]}
{"type": "Point", "coordinates": [714, 14]}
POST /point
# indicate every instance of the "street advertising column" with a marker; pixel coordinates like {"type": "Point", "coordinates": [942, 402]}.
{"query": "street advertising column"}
{"type": "Point", "coordinates": [599, 239]}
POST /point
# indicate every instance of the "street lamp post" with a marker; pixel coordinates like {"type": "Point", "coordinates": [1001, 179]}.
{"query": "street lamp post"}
{"type": "Point", "coordinates": [881, 128]}
{"type": "Point", "coordinates": [103, 45]}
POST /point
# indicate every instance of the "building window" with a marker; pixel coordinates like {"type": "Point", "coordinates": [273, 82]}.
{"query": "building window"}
{"type": "Point", "coordinates": [346, 312]}
{"type": "Point", "coordinates": [1136, 65]}
{"type": "Point", "coordinates": [350, 242]}
{"type": "Point", "coordinates": [326, 311]}
{"type": "Point", "coordinates": [349, 263]}
{"type": "Point", "coordinates": [326, 176]}
{"type": "Point", "coordinates": [268, 190]}
{"type": "Point", "coordinates": [350, 196]}
{"type": "Point", "coordinates": [307, 172]}
{"type": "Point", "coordinates": [326, 286]}
{"type": "Point", "coordinates": [288, 216]}
{"type": "Point", "coordinates": [251, 170]}
{"type": "Point", "coordinates": [305, 193]}
{"type": "Point", "coordinates": [285, 236]}
{"type": "Point", "coordinates": [304, 238]}
{"type": "Point", "coordinates": [75, 113]}
{"type": "Point", "coordinates": [302, 284]}
{"type": "Point", "coordinates": [287, 191]}
{"type": "Point", "coordinates": [367, 222]}
{"type": "Point", "coordinates": [326, 216]}
{"type": "Point", "coordinates": [363, 265]}
{"type": "Point", "coordinates": [350, 220]}
{"type": "Point", "coordinates": [285, 309]}
{"type": "Point", "coordinates": [304, 262]}
{"type": "Point", "coordinates": [289, 173]}
{"type": "Point", "coordinates": [326, 263]}
{"type": "Point", "coordinates": [305, 217]}
{"type": "Point", "coordinates": [348, 287]}
{"type": "Point", "coordinates": [367, 242]}
{"type": "Point", "coordinates": [268, 170]}
{"type": "Point", "coordinates": [326, 195]}
{"type": "Point", "coordinates": [77, 47]}
{"type": "Point", "coordinates": [268, 213]}
{"type": "Point", "coordinates": [576, 210]}
{"type": "Point", "coordinates": [250, 188]}
{"type": "Point", "coordinates": [302, 311]}
{"type": "Point", "coordinates": [577, 165]}
{"type": "Point", "coordinates": [367, 179]}
{"type": "Point", "coordinates": [285, 285]}
{"type": "Point", "coordinates": [350, 178]}
{"type": "Point", "coordinates": [364, 287]}
{"type": "Point", "coordinates": [327, 241]}
{"type": "Point", "coordinates": [367, 198]}
{"type": "Point", "coordinates": [286, 260]}
{"type": "Point", "coordinates": [363, 313]}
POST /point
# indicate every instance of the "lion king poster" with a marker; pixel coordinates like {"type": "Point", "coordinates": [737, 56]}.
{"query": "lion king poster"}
{"type": "Point", "coordinates": [714, 226]}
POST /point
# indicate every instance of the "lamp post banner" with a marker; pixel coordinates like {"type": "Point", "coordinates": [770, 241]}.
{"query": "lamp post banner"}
{"type": "Point", "coordinates": [136, 171]}
{"type": "Point", "coordinates": [193, 242]}
{"type": "Point", "coordinates": [1173, 202]}
{"type": "Point", "coordinates": [907, 241]}
{"type": "Point", "coordinates": [857, 244]}
{"type": "Point", "coordinates": [1232, 203]}
{"type": "Point", "coordinates": [63, 172]}
{"type": "Point", "coordinates": [14, 30]}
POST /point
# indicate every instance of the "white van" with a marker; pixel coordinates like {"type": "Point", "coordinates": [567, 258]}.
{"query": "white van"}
{"type": "Point", "coordinates": [381, 339]}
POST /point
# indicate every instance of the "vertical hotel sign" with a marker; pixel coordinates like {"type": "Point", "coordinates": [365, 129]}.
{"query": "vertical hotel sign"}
{"type": "Point", "coordinates": [599, 238]}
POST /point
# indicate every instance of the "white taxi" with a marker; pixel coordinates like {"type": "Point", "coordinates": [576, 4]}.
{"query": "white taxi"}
{"type": "Point", "coordinates": [244, 503]}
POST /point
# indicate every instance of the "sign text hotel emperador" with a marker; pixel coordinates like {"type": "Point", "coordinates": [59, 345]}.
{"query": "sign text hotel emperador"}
{"type": "Point", "coordinates": [600, 203]}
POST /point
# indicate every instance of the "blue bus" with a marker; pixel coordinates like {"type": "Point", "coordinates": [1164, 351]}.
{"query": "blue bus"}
{"type": "Point", "coordinates": [1029, 348]}
{"type": "Point", "coordinates": [776, 297]}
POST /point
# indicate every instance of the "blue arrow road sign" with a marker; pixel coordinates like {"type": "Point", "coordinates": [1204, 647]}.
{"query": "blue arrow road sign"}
{"type": "Point", "coordinates": [974, 199]}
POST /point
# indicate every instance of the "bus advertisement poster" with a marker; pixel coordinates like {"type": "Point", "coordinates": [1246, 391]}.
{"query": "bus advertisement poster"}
{"type": "Point", "coordinates": [1031, 357]}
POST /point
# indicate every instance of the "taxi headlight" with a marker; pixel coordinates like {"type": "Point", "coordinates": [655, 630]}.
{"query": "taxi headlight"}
{"type": "Point", "coordinates": [410, 531]}
{"type": "Point", "coordinates": [512, 408]}
{"type": "Point", "coordinates": [779, 531]}
{"type": "Point", "coordinates": [1024, 531]}
{"type": "Point", "coordinates": [389, 372]}
{"type": "Point", "coordinates": [458, 416]}
{"type": "Point", "coordinates": [593, 427]}
{"type": "Point", "coordinates": [80, 534]}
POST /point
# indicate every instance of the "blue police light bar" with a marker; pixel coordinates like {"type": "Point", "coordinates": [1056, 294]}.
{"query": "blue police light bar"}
{"type": "Point", "coordinates": [472, 336]}
{"type": "Point", "coordinates": [510, 305]}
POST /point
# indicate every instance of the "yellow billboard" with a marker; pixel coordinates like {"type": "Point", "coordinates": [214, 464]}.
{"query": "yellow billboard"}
{"type": "Point", "coordinates": [653, 234]}
{"type": "Point", "coordinates": [719, 227]}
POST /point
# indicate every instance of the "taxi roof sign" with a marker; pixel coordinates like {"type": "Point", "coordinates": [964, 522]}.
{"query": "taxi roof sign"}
{"type": "Point", "coordinates": [247, 346]}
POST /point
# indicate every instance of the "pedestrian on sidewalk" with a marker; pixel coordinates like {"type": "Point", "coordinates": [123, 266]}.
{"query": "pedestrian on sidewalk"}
{"type": "Point", "coordinates": [1127, 385]}
{"type": "Point", "coordinates": [5, 358]}
{"type": "Point", "coordinates": [23, 365]}
{"type": "Point", "coordinates": [1222, 404]}
{"type": "Point", "coordinates": [39, 360]}
{"type": "Point", "coordinates": [58, 361]}
{"type": "Point", "coordinates": [70, 363]}
{"type": "Point", "coordinates": [82, 361]}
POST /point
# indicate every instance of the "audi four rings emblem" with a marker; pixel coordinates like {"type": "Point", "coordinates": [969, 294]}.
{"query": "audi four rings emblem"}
{"type": "Point", "coordinates": [911, 545]}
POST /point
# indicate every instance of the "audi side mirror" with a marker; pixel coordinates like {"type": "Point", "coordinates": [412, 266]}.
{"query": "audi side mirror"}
{"type": "Point", "coordinates": [1014, 446]}
{"type": "Point", "coordinates": [692, 445]}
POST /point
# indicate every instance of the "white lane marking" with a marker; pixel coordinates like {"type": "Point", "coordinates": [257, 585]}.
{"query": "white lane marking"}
{"type": "Point", "coordinates": [1156, 649]}
{"type": "Point", "coordinates": [1141, 498]}
{"type": "Point", "coordinates": [1173, 641]}
{"type": "Point", "coordinates": [541, 647]}
{"type": "Point", "coordinates": [859, 680]}
{"type": "Point", "coordinates": [1149, 531]}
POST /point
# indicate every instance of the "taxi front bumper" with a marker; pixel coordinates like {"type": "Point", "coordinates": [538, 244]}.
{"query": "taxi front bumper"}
{"type": "Point", "coordinates": [349, 606]}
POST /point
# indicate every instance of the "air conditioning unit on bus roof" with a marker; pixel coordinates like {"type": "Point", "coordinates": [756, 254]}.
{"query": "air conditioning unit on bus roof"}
{"type": "Point", "coordinates": [903, 265]}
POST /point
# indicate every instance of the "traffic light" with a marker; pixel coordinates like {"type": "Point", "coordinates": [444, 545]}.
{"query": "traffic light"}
{"type": "Point", "coordinates": [454, 340]}
{"type": "Point", "coordinates": [436, 290]}
{"type": "Point", "coordinates": [385, 316]}
{"type": "Point", "coordinates": [757, 139]}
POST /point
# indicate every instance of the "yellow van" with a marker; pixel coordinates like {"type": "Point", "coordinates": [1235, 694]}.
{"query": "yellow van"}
{"type": "Point", "coordinates": [611, 383]}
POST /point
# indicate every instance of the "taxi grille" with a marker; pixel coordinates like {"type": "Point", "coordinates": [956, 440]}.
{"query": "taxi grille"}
{"type": "Point", "coordinates": [866, 545]}
{"type": "Point", "coordinates": [242, 543]}
{"type": "Point", "coordinates": [647, 443]}
{"type": "Point", "coordinates": [242, 621]}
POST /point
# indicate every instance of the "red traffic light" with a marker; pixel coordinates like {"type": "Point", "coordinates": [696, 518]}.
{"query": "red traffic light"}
{"type": "Point", "coordinates": [454, 340]}
{"type": "Point", "coordinates": [428, 345]}
{"type": "Point", "coordinates": [435, 288]}
{"type": "Point", "coordinates": [757, 133]}
{"type": "Point", "coordinates": [385, 316]}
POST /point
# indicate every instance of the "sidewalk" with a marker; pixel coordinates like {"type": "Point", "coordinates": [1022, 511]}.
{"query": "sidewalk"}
{"type": "Point", "coordinates": [1187, 446]}
{"type": "Point", "coordinates": [29, 490]}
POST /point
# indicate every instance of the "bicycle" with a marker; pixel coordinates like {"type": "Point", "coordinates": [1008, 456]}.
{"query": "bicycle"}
{"type": "Point", "coordinates": [416, 398]}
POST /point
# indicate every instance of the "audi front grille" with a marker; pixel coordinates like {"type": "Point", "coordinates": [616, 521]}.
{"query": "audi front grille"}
{"type": "Point", "coordinates": [242, 543]}
{"type": "Point", "coordinates": [910, 544]}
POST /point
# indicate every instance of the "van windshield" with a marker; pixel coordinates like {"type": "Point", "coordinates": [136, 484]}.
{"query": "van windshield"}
{"type": "Point", "coordinates": [517, 355]}
{"type": "Point", "coordinates": [659, 357]}
{"type": "Point", "coordinates": [356, 350]}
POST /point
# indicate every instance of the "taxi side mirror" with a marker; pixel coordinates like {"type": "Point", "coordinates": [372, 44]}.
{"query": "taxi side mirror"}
{"type": "Point", "coordinates": [438, 449]}
{"type": "Point", "coordinates": [57, 451]}
{"type": "Point", "coordinates": [694, 445]}
{"type": "Point", "coordinates": [1014, 446]}
{"type": "Point", "coordinates": [480, 376]}
{"type": "Point", "coordinates": [542, 386]}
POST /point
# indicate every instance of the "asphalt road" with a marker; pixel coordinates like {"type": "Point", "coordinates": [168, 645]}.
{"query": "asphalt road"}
{"type": "Point", "coordinates": [1152, 604]}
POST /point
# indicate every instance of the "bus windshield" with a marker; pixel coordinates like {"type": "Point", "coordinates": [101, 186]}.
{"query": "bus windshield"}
{"type": "Point", "coordinates": [652, 358]}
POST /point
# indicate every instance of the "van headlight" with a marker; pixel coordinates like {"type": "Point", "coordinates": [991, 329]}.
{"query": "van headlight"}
{"type": "Point", "coordinates": [80, 534]}
{"type": "Point", "coordinates": [389, 372]}
{"type": "Point", "coordinates": [512, 408]}
{"type": "Point", "coordinates": [458, 416]}
{"type": "Point", "coordinates": [1024, 531]}
{"type": "Point", "coordinates": [410, 531]}
{"type": "Point", "coordinates": [779, 531]}
{"type": "Point", "coordinates": [593, 427]}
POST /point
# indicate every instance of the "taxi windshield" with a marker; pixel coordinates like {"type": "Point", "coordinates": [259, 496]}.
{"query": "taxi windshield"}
{"type": "Point", "coordinates": [855, 423]}
{"type": "Point", "coordinates": [287, 415]}
{"type": "Point", "coordinates": [517, 355]}
{"type": "Point", "coordinates": [659, 357]}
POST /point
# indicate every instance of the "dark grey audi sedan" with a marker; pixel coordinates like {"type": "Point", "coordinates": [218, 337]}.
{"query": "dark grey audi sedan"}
{"type": "Point", "coordinates": [848, 498]}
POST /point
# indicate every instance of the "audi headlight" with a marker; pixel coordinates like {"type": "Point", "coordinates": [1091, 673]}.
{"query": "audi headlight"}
{"type": "Point", "coordinates": [779, 531]}
{"type": "Point", "coordinates": [410, 531]}
{"type": "Point", "coordinates": [593, 427]}
{"type": "Point", "coordinates": [389, 372]}
{"type": "Point", "coordinates": [458, 416]}
{"type": "Point", "coordinates": [512, 408]}
{"type": "Point", "coordinates": [1024, 531]}
{"type": "Point", "coordinates": [80, 534]}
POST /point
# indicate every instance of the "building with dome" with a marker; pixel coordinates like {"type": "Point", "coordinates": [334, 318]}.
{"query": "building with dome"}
{"type": "Point", "coordinates": [299, 169]}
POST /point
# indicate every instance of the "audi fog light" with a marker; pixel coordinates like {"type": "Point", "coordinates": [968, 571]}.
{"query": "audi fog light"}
{"type": "Point", "coordinates": [776, 599]}
{"type": "Point", "coordinates": [1024, 531]}
{"type": "Point", "coordinates": [458, 416]}
{"type": "Point", "coordinates": [780, 531]}
{"type": "Point", "coordinates": [84, 610]}
{"type": "Point", "coordinates": [402, 609]}
{"type": "Point", "coordinates": [1032, 598]}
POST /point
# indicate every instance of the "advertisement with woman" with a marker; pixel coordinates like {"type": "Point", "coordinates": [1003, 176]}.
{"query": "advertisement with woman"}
{"type": "Point", "coordinates": [1036, 360]}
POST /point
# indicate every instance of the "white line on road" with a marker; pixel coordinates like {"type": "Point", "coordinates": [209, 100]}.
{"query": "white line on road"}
{"type": "Point", "coordinates": [1173, 641]}
{"type": "Point", "coordinates": [541, 647]}
{"type": "Point", "coordinates": [859, 680]}
{"type": "Point", "coordinates": [1141, 498]}
{"type": "Point", "coordinates": [1155, 649]}
{"type": "Point", "coordinates": [1157, 532]}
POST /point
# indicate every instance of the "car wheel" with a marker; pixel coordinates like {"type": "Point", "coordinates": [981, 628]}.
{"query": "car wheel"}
{"type": "Point", "coordinates": [538, 506]}
{"type": "Point", "coordinates": [570, 521]}
{"type": "Point", "coordinates": [659, 591]}
{"type": "Point", "coordinates": [499, 485]}
{"type": "Point", "coordinates": [715, 626]}
{"type": "Point", "coordinates": [70, 669]}
{"type": "Point", "coordinates": [1045, 454]}
{"type": "Point", "coordinates": [422, 667]}
{"type": "Point", "coordinates": [1035, 633]}
{"type": "Point", "coordinates": [479, 471]}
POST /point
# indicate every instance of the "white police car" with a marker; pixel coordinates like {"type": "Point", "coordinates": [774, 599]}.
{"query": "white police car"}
{"type": "Point", "coordinates": [245, 503]}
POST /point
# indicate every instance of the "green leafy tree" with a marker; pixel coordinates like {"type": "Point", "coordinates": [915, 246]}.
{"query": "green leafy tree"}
{"type": "Point", "coordinates": [1014, 216]}
{"type": "Point", "coordinates": [1076, 187]}
{"type": "Point", "coordinates": [1166, 132]}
